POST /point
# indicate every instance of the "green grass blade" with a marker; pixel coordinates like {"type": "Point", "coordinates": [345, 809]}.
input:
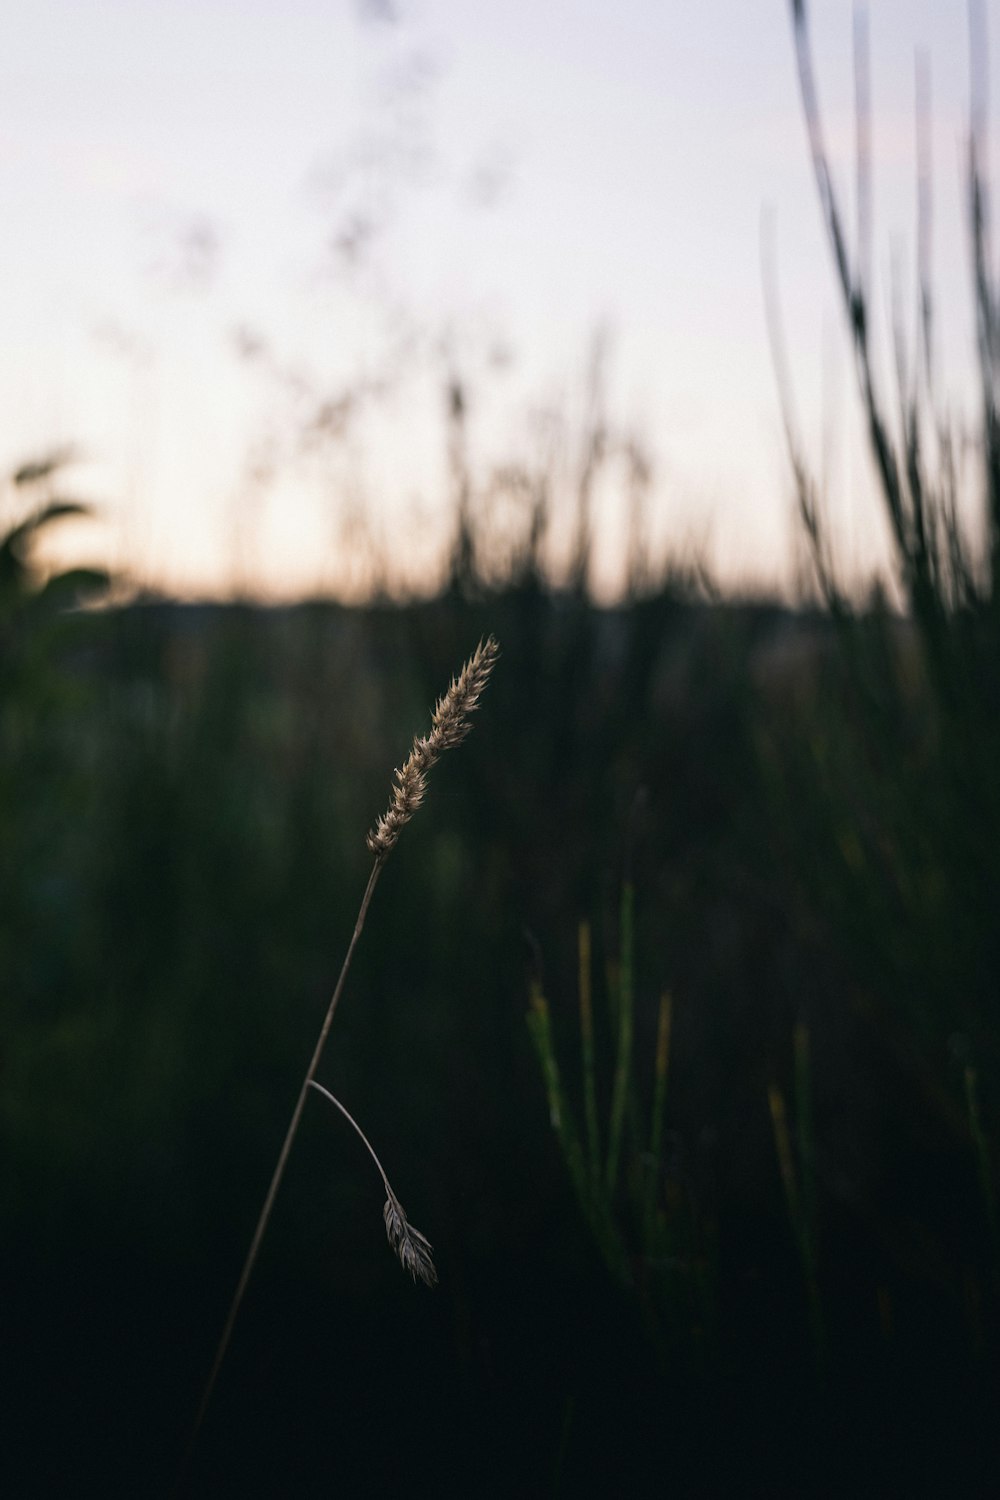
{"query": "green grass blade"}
{"type": "Point", "coordinates": [560, 1115]}
{"type": "Point", "coordinates": [596, 1205]}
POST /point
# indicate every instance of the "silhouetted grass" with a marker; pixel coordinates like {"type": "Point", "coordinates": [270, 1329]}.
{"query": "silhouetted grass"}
{"type": "Point", "coordinates": [744, 1236]}
{"type": "Point", "coordinates": [185, 849]}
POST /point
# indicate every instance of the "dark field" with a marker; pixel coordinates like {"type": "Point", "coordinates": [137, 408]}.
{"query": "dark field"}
{"type": "Point", "coordinates": [675, 1021]}
{"type": "Point", "coordinates": [791, 1288]}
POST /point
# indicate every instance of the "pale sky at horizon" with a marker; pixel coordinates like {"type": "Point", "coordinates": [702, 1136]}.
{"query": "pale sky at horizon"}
{"type": "Point", "coordinates": [184, 182]}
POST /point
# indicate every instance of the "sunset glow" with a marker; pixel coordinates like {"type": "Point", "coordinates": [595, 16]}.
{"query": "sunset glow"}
{"type": "Point", "coordinates": [250, 249]}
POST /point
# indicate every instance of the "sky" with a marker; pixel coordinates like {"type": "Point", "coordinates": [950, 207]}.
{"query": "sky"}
{"type": "Point", "coordinates": [248, 248]}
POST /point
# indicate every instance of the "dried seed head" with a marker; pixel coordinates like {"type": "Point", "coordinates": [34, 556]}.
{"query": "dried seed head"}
{"type": "Point", "coordinates": [413, 1248]}
{"type": "Point", "coordinates": [450, 725]}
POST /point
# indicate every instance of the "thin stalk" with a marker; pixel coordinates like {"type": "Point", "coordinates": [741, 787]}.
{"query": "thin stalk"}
{"type": "Point", "coordinates": [560, 1116]}
{"type": "Point", "coordinates": [352, 1121]}
{"type": "Point", "coordinates": [450, 723]}
{"type": "Point", "coordinates": [279, 1170]}
{"type": "Point", "coordinates": [594, 1203]}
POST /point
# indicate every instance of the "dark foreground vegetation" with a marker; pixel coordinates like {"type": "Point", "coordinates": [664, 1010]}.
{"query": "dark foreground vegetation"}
{"type": "Point", "coordinates": [794, 1285]}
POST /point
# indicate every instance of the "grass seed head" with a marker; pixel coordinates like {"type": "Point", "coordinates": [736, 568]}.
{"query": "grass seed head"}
{"type": "Point", "coordinates": [450, 723]}
{"type": "Point", "coordinates": [413, 1248]}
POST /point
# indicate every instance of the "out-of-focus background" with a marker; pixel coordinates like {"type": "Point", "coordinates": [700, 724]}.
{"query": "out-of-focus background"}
{"type": "Point", "coordinates": [664, 345]}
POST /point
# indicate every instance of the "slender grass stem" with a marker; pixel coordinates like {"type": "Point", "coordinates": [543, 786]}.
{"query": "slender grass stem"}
{"type": "Point", "coordinates": [593, 1199]}
{"type": "Point", "coordinates": [279, 1170]}
{"type": "Point", "coordinates": [353, 1122]}
{"type": "Point", "coordinates": [450, 723]}
{"type": "Point", "coordinates": [560, 1115]}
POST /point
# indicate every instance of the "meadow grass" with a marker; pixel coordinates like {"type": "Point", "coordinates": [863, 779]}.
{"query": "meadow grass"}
{"type": "Point", "coordinates": [450, 723]}
{"type": "Point", "coordinates": [195, 875]}
{"type": "Point", "coordinates": [832, 826]}
{"type": "Point", "coordinates": [641, 1222]}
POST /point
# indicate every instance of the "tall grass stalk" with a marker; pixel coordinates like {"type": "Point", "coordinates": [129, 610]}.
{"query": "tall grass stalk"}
{"type": "Point", "coordinates": [584, 1168]}
{"type": "Point", "coordinates": [617, 1187]}
{"type": "Point", "coordinates": [450, 725]}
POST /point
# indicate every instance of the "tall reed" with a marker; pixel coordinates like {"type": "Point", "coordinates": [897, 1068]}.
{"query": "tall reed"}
{"type": "Point", "coordinates": [450, 723]}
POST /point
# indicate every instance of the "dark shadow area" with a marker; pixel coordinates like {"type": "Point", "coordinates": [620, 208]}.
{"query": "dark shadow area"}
{"type": "Point", "coordinates": [805, 1294]}
{"type": "Point", "coordinates": [675, 1018]}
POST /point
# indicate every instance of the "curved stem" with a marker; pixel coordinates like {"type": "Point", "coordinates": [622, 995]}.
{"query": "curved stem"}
{"type": "Point", "coordinates": [352, 1121]}
{"type": "Point", "coordinates": [413, 1249]}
